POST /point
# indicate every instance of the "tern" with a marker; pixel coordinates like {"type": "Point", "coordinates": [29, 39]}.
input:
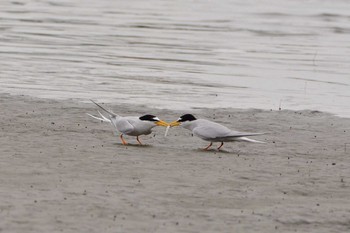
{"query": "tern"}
{"type": "Point", "coordinates": [130, 125]}
{"type": "Point", "coordinates": [212, 131]}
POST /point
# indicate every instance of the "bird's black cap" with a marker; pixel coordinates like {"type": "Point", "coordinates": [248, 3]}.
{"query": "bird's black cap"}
{"type": "Point", "coordinates": [187, 117]}
{"type": "Point", "coordinates": [148, 117]}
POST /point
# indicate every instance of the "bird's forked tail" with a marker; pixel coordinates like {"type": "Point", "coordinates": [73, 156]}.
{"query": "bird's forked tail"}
{"type": "Point", "coordinates": [248, 140]}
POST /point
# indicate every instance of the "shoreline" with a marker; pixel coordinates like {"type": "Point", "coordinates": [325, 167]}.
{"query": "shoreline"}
{"type": "Point", "coordinates": [180, 110]}
{"type": "Point", "coordinates": [63, 171]}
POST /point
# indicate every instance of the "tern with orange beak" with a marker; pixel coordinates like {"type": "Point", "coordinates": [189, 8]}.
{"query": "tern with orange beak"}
{"type": "Point", "coordinates": [211, 131]}
{"type": "Point", "coordinates": [130, 125]}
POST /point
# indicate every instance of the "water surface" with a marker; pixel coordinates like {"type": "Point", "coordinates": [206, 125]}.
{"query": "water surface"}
{"type": "Point", "coordinates": [180, 54]}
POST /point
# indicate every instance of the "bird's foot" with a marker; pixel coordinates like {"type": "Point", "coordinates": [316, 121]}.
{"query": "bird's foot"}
{"type": "Point", "coordinates": [207, 148]}
{"type": "Point", "coordinates": [222, 143]}
{"type": "Point", "coordinates": [123, 141]}
{"type": "Point", "coordinates": [140, 143]}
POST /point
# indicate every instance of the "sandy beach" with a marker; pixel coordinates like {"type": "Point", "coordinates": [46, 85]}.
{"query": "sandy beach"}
{"type": "Point", "coordinates": [275, 67]}
{"type": "Point", "coordinates": [62, 171]}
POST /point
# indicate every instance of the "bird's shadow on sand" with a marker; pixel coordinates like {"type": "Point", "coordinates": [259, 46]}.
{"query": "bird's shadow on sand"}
{"type": "Point", "coordinates": [200, 150]}
{"type": "Point", "coordinates": [221, 151]}
{"type": "Point", "coordinates": [133, 145]}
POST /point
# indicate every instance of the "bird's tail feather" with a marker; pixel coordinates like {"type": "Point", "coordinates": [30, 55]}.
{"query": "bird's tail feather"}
{"type": "Point", "coordinates": [248, 140]}
{"type": "Point", "coordinates": [239, 134]}
{"type": "Point", "coordinates": [112, 114]}
{"type": "Point", "coordinates": [104, 119]}
{"type": "Point", "coordinates": [112, 121]}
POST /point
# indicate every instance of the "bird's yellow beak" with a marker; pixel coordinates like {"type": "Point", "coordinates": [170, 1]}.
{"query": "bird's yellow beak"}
{"type": "Point", "coordinates": [174, 123]}
{"type": "Point", "coordinates": [162, 123]}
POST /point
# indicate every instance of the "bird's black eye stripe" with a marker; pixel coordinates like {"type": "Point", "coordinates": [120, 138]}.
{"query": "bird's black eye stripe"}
{"type": "Point", "coordinates": [148, 117]}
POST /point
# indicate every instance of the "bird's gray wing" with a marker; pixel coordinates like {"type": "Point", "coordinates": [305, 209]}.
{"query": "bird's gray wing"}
{"type": "Point", "coordinates": [242, 134]}
{"type": "Point", "coordinates": [124, 126]}
{"type": "Point", "coordinates": [211, 131]}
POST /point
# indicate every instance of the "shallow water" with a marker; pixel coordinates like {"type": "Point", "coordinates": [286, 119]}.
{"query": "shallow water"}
{"type": "Point", "coordinates": [180, 54]}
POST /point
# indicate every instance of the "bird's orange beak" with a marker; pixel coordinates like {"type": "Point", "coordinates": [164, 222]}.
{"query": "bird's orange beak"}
{"type": "Point", "coordinates": [162, 123]}
{"type": "Point", "coordinates": [174, 123]}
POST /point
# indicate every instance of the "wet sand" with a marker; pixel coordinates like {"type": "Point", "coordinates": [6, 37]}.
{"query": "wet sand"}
{"type": "Point", "coordinates": [62, 171]}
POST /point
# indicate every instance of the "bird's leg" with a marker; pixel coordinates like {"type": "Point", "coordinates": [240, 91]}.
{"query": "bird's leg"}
{"type": "Point", "coordinates": [137, 138]}
{"type": "Point", "coordinates": [222, 143]}
{"type": "Point", "coordinates": [123, 141]}
{"type": "Point", "coordinates": [208, 146]}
